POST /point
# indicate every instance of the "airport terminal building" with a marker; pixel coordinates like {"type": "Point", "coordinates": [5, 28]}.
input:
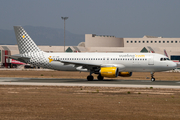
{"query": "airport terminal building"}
{"type": "Point", "coordinates": [105, 43]}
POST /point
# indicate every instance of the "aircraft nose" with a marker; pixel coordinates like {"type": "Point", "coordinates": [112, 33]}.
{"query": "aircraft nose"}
{"type": "Point", "coordinates": [173, 65]}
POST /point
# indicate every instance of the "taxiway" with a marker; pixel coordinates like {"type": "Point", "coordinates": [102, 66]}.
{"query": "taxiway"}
{"type": "Point", "coordinates": [84, 82]}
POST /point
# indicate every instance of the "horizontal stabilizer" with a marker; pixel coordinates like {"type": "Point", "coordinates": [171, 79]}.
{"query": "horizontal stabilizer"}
{"type": "Point", "coordinates": [18, 57]}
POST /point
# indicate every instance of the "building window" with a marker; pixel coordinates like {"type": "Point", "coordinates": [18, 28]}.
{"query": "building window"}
{"type": "Point", "coordinates": [151, 41]}
{"type": "Point", "coordinates": [155, 41]}
{"type": "Point", "coordinates": [143, 41]}
{"type": "Point", "coordinates": [175, 41]}
{"type": "Point", "coordinates": [159, 41]}
{"type": "Point", "coordinates": [134, 41]}
{"type": "Point", "coordinates": [171, 41]}
{"type": "Point", "coordinates": [127, 41]}
{"type": "Point", "coordinates": [131, 41]}
{"type": "Point", "coordinates": [163, 41]}
{"type": "Point", "coordinates": [140, 41]}
{"type": "Point", "coordinates": [147, 41]}
{"type": "Point", "coordinates": [167, 41]}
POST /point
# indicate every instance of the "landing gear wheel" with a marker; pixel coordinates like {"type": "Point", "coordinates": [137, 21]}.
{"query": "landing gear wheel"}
{"type": "Point", "coordinates": [99, 77]}
{"type": "Point", "coordinates": [90, 78]}
{"type": "Point", "coordinates": [152, 79]}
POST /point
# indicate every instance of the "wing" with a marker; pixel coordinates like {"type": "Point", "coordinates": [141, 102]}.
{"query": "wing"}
{"type": "Point", "coordinates": [90, 66]}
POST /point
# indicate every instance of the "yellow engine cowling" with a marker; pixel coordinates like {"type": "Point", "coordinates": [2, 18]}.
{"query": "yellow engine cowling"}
{"type": "Point", "coordinates": [110, 72]}
{"type": "Point", "coordinates": [125, 74]}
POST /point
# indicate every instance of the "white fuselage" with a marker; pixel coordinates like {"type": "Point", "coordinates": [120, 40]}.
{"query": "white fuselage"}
{"type": "Point", "coordinates": [130, 62]}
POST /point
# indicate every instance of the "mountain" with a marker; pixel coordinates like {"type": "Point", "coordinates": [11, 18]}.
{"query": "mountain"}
{"type": "Point", "coordinates": [43, 36]}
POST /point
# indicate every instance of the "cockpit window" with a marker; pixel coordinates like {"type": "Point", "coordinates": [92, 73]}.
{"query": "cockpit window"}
{"type": "Point", "coordinates": [164, 59]}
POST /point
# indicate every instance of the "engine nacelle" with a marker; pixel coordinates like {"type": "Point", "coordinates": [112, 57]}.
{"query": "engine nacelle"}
{"type": "Point", "coordinates": [110, 72]}
{"type": "Point", "coordinates": [125, 74]}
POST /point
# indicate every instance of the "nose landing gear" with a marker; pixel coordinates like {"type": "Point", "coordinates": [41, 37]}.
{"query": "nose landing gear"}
{"type": "Point", "coordinates": [152, 77]}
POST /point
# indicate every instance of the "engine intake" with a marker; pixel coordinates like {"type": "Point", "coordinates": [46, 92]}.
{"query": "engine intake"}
{"type": "Point", "coordinates": [110, 72]}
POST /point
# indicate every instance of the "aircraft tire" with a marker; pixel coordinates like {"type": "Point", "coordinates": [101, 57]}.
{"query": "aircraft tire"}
{"type": "Point", "coordinates": [152, 79]}
{"type": "Point", "coordinates": [90, 78]}
{"type": "Point", "coordinates": [99, 77]}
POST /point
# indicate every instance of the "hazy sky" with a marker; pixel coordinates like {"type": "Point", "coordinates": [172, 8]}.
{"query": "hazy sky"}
{"type": "Point", "coordinates": [122, 18]}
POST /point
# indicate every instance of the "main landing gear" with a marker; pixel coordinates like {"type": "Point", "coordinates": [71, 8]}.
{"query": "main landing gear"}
{"type": "Point", "coordinates": [99, 77]}
{"type": "Point", "coordinates": [91, 78]}
{"type": "Point", "coordinates": [152, 77]}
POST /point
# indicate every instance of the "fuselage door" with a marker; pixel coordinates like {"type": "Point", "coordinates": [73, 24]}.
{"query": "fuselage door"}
{"type": "Point", "coordinates": [151, 60]}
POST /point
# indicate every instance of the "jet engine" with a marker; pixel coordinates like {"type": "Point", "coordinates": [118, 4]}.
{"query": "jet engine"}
{"type": "Point", "coordinates": [110, 72]}
{"type": "Point", "coordinates": [125, 74]}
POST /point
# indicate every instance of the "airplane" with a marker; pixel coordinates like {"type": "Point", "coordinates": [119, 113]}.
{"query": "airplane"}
{"type": "Point", "coordinates": [109, 65]}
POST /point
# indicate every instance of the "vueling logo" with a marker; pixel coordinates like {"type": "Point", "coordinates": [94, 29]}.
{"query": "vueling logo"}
{"type": "Point", "coordinates": [50, 59]}
{"type": "Point", "coordinates": [139, 55]}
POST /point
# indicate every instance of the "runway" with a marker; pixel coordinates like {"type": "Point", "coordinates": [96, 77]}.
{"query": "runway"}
{"type": "Point", "coordinates": [84, 82]}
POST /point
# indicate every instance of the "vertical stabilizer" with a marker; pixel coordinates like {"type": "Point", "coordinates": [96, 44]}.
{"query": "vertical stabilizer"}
{"type": "Point", "coordinates": [24, 41]}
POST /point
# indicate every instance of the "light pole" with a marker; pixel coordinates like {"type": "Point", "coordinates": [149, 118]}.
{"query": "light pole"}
{"type": "Point", "coordinates": [64, 18]}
